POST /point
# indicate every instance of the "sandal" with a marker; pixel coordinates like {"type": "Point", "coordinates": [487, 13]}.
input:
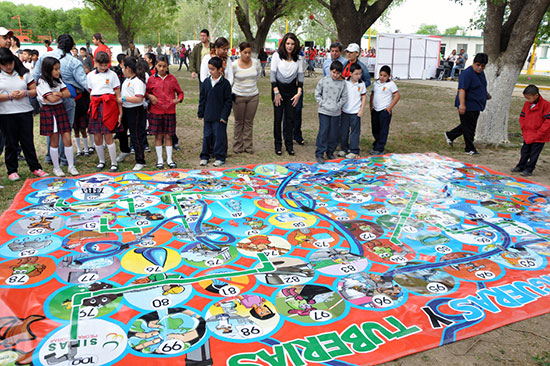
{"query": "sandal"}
{"type": "Point", "coordinates": [172, 165]}
{"type": "Point", "coordinates": [114, 168]}
{"type": "Point", "coordinates": [100, 166]}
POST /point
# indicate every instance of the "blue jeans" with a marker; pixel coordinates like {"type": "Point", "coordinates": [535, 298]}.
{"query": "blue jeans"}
{"type": "Point", "coordinates": [350, 129]}
{"type": "Point", "coordinates": [380, 122]}
{"type": "Point", "coordinates": [214, 133]}
{"type": "Point", "coordinates": [456, 67]}
{"type": "Point", "coordinates": [327, 138]}
{"type": "Point", "coordinates": [70, 105]}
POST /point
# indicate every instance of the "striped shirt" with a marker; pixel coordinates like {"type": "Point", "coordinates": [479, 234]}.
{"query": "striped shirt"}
{"type": "Point", "coordinates": [245, 81]}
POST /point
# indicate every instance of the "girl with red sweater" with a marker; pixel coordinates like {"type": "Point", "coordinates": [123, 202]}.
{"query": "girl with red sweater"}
{"type": "Point", "coordinates": [164, 92]}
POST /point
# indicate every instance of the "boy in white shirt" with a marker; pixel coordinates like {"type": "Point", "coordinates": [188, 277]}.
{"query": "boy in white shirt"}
{"type": "Point", "coordinates": [352, 112]}
{"type": "Point", "coordinates": [383, 98]}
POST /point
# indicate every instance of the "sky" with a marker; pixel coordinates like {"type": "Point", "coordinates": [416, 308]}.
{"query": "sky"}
{"type": "Point", "coordinates": [406, 18]}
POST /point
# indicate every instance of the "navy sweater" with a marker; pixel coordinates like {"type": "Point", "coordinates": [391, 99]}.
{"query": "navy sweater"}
{"type": "Point", "coordinates": [215, 103]}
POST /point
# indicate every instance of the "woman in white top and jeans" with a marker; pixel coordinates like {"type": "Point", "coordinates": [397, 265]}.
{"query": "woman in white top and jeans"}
{"type": "Point", "coordinates": [287, 80]}
{"type": "Point", "coordinates": [246, 72]}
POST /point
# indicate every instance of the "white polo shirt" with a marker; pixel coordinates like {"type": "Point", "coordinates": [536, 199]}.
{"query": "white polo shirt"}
{"type": "Point", "coordinates": [355, 92]}
{"type": "Point", "coordinates": [43, 89]}
{"type": "Point", "coordinates": [133, 87]}
{"type": "Point", "coordinates": [13, 82]}
{"type": "Point", "coordinates": [383, 94]}
{"type": "Point", "coordinates": [101, 83]}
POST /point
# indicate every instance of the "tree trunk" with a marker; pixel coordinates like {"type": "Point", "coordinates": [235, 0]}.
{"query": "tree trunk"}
{"type": "Point", "coordinates": [493, 122]}
{"type": "Point", "coordinates": [125, 36]}
{"type": "Point", "coordinates": [508, 37]}
{"type": "Point", "coordinates": [264, 17]}
{"type": "Point", "coordinates": [352, 22]}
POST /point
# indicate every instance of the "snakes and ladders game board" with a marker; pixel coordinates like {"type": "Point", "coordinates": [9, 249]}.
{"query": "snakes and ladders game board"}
{"type": "Point", "coordinates": [344, 263]}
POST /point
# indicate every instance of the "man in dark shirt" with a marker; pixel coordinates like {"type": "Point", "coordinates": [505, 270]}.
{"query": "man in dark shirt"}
{"type": "Point", "coordinates": [470, 100]}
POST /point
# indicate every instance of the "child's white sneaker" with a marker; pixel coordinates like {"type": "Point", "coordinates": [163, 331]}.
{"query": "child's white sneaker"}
{"type": "Point", "coordinates": [203, 162]}
{"type": "Point", "coordinates": [121, 157]}
{"type": "Point", "coordinates": [72, 171]}
{"type": "Point", "coordinates": [58, 172]}
{"type": "Point", "coordinates": [341, 154]}
{"type": "Point", "coordinates": [218, 163]}
{"type": "Point", "coordinates": [138, 166]}
{"type": "Point", "coordinates": [352, 156]}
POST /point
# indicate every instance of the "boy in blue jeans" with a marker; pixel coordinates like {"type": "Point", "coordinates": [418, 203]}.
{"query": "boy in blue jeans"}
{"type": "Point", "coordinates": [215, 104]}
{"type": "Point", "coordinates": [331, 94]}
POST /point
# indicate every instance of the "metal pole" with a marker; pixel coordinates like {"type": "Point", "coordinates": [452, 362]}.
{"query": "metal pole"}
{"type": "Point", "coordinates": [532, 62]}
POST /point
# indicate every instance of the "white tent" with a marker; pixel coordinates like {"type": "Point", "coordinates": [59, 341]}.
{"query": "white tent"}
{"type": "Point", "coordinates": [410, 56]}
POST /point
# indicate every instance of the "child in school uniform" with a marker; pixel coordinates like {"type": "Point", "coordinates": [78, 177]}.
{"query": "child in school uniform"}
{"type": "Point", "coordinates": [132, 97]}
{"type": "Point", "coordinates": [534, 121]}
{"type": "Point", "coordinates": [105, 112]}
{"type": "Point", "coordinates": [350, 125]}
{"type": "Point", "coordinates": [331, 94]}
{"type": "Point", "coordinates": [164, 92]}
{"type": "Point", "coordinates": [215, 103]}
{"type": "Point", "coordinates": [16, 122]}
{"type": "Point", "coordinates": [54, 120]}
{"type": "Point", "coordinates": [383, 98]}
{"type": "Point", "coordinates": [80, 126]}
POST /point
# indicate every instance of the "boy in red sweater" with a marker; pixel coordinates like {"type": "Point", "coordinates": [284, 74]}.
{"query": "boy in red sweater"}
{"type": "Point", "coordinates": [534, 121]}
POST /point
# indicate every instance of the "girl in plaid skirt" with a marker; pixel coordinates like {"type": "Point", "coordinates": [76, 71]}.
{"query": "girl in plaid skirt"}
{"type": "Point", "coordinates": [164, 92]}
{"type": "Point", "coordinates": [53, 116]}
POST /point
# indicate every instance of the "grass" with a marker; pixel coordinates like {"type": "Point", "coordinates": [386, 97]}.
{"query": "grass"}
{"type": "Point", "coordinates": [542, 359]}
{"type": "Point", "coordinates": [539, 80]}
{"type": "Point", "coordinates": [419, 119]}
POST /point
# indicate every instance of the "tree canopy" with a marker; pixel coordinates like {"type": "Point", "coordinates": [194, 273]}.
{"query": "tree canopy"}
{"type": "Point", "coordinates": [428, 29]}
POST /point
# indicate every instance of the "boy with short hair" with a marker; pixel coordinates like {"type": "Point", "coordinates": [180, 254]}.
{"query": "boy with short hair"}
{"type": "Point", "coordinates": [534, 121]}
{"type": "Point", "coordinates": [331, 94]}
{"type": "Point", "coordinates": [351, 113]}
{"type": "Point", "coordinates": [215, 104]}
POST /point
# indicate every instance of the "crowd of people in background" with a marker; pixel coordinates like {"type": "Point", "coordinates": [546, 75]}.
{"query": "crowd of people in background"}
{"type": "Point", "coordinates": [80, 93]}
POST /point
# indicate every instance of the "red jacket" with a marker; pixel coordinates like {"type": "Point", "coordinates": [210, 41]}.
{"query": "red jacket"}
{"type": "Point", "coordinates": [110, 109]}
{"type": "Point", "coordinates": [165, 91]}
{"type": "Point", "coordinates": [535, 121]}
{"type": "Point", "coordinates": [103, 48]}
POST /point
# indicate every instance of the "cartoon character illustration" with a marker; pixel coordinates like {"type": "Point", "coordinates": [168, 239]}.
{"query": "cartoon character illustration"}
{"type": "Point", "coordinates": [14, 330]}
{"type": "Point", "coordinates": [26, 243]}
{"type": "Point", "coordinates": [42, 222]}
{"type": "Point", "coordinates": [28, 266]}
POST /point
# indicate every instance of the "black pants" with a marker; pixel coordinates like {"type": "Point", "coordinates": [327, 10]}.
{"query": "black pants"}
{"type": "Point", "coordinates": [134, 119]}
{"type": "Point", "coordinates": [380, 123]}
{"type": "Point", "coordinates": [182, 61]}
{"type": "Point", "coordinates": [214, 140]}
{"type": "Point", "coordinates": [17, 129]}
{"type": "Point", "coordinates": [285, 108]}
{"type": "Point", "coordinates": [467, 127]}
{"type": "Point", "coordinates": [529, 155]}
{"type": "Point", "coordinates": [298, 137]}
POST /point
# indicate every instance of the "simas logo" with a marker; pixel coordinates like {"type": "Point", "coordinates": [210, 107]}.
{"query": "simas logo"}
{"type": "Point", "coordinates": [84, 360]}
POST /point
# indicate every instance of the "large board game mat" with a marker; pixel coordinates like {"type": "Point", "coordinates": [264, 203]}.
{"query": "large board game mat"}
{"type": "Point", "coordinates": [344, 263]}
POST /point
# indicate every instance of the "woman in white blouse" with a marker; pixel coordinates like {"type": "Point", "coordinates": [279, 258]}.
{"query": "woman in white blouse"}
{"type": "Point", "coordinates": [287, 80]}
{"type": "Point", "coordinates": [246, 72]}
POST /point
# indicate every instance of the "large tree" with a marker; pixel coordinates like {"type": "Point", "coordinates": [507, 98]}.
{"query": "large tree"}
{"type": "Point", "coordinates": [353, 18]}
{"type": "Point", "coordinates": [264, 13]}
{"type": "Point", "coordinates": [430, 29]}
{"type": "Point", "coordinates": [509, 32]}
{"type": "Point", "coordinates": [128, 16]}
